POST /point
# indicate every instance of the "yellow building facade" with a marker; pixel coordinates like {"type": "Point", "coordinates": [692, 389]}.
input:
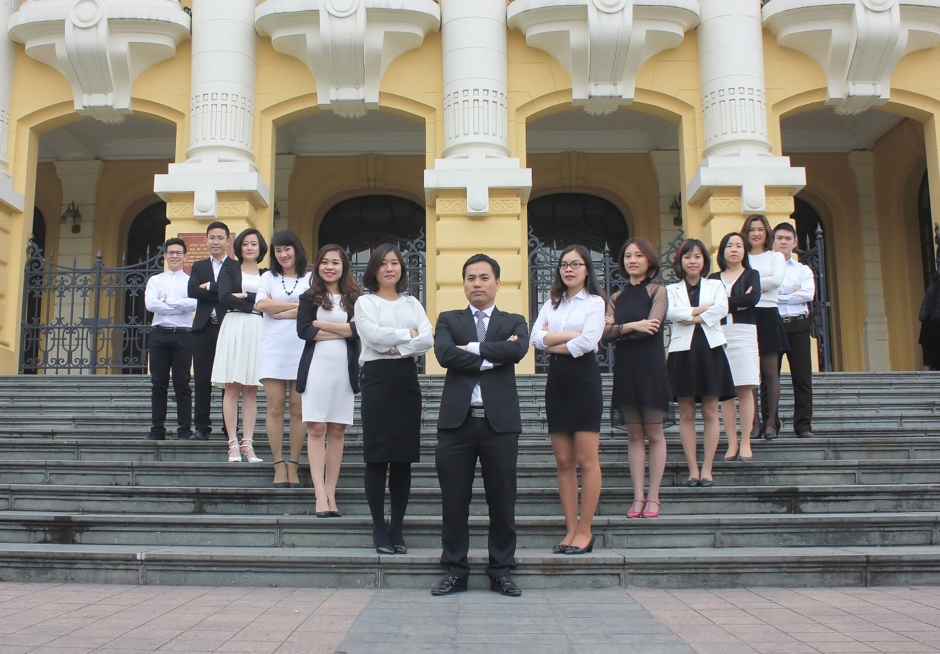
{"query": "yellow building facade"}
{"type": "Point", "coordinates": [489, 121]}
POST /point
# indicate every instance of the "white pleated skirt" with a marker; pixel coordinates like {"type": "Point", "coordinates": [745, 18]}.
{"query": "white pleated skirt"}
{"type": "Point", "coordinates": [238, 349]}
{"type": "Point", "coordinates": [743, 355]}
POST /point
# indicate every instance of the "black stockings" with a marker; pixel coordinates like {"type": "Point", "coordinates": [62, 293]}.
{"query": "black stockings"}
{"type": "Point", "coordinates": [770, 380]}
{"type": "Point", "coordinates": [399, 489]}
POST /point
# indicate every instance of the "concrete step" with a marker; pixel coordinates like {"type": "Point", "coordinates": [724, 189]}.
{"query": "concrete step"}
{"type": "Point", "coordinates": [850, 446]}
{"type": "Point", "coordinates": [880, 498]}
{"type": "Point", "coordinates": [161, 474]}
{"type": "Point", "coordinates": [420, 568]}
{"type": "Point", "coordinates": [534, 532]}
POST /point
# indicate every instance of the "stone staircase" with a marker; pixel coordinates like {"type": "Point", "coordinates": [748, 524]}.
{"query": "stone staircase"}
{"type": "Point", "coordinates": [83, 497]}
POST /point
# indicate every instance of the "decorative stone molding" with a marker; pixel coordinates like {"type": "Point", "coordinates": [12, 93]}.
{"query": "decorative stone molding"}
{"type": "Point", "coordinates": [603, 43]}
{"type": "Point", "coordinates": [101, 46]}
{"type": "Point", "coordinates": [573, 167]}
{"type": "Point", "coordinates": [372, 171]}
{"type": "Point", "coordinates": [451, 206]}
{"type": "Point", "coordinates": [347, 44]}
{"type": "Point", "coordinates": [857, 43]}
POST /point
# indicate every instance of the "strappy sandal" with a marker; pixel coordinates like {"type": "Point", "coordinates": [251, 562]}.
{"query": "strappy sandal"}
{"type": "Point", "coordinates": [234, 455]}
{"type": "Point", "coordinates": [248, 450]}
{"type": "Point", "coordinates": [281, 484]}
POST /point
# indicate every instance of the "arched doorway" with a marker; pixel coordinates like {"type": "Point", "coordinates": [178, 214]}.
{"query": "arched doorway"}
{"type": "Point", "coordinates": [146, 234]}
{"type": "Point", "coordinates": [362, 223]}
{"type": "Point", "coordinates": [562, 219]}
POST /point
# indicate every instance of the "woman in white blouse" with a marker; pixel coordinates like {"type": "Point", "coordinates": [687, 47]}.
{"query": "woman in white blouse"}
{"type": "Point", "coordinates": [698, 367]}
{"type": "Point", "coordinates": [568, 328]}
{"type": "Point", "coordinates": [771, 334]}
{"type": "Point", "coordinates": [278, 297]}
{"type": "Point", "coordinates": [395, 331]}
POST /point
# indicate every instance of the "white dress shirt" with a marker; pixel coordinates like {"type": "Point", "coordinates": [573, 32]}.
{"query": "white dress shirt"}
{"type": "Point", "coordinates": [476, 397]}
{"type": "Point", "coordinates": [216, 268]}
{"type": "Point", "coordinates": [386, 324]}
{"type": "Point", "coordinates": [771, 266]}
{"type": "Point", "coordinates": [794, 303]}
{"type": "Point", "coordinates": [167, 298]}
{"type": "Point", "coordinates": [584, 313]}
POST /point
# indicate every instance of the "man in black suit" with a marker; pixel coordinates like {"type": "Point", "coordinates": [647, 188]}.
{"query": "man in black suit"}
{"type": "Point", "coordinates": [479, 418]}
{"type": "Point", "coordinates": [204, 286]}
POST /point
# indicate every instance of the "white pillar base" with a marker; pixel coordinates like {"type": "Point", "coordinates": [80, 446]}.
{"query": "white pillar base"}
{"type": "Point", "coordinates": [477, 175]}
{"type": "Point", "coordinates": [209, 177]}
{"type": "Point", "coordinates": [751, 171]}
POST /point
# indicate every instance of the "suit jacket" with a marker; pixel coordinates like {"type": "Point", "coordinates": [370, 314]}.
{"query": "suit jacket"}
{"type": "Point", "coordinates": [680, 308]}
{"type": "Point", "coordinates": [230, 282]}
{"type": "Point", "coordinates": [207, 299]}
{"type": "Point", "coordinates": [306, 314]}
{"type": "Point", "coordinates": [498, 384]}
{"type": "Point", "coordinates": [741, 303]}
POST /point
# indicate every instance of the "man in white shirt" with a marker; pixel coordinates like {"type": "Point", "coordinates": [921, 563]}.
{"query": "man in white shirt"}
{"type": "Point", "coordinates": [171, 345]}
{"type": "Point", "coordinates": [794, 296]}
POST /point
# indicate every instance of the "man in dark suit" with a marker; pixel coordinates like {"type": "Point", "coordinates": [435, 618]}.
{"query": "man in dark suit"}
{"type": "Point", "coordinates": [479, 418]}
{"type": "Point", "coordinates": [204, 287]}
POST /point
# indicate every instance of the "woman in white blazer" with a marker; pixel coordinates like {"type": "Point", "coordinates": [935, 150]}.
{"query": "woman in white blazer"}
{"type": "Point", "coordinates": [698, 367]}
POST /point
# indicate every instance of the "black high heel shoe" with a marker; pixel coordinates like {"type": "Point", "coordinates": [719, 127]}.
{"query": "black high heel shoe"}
{"type": "Point", "coordinates": [382, 540]}
{"type": "Point", "coordinates": [582, 550]}
{"type": "Point", "coordinates": [281, 484]}
{"type": "Point", "coordinates": [294, 484]}
{"type": "Point", "coordinates": [398, 541]}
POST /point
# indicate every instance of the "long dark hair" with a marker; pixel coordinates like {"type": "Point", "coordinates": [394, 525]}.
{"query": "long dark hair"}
{"type": "Point", "coordinates": [348, 288]}
{"type": "Point", "coordinates": [722, 262]}
{"type": "Point", "coordinates": [285, 238]}
{"type": "Point", "coordinates": [590, 282]}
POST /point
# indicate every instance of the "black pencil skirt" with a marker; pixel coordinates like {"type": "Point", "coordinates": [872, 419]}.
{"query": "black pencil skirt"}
{"type": "Point", "coordinates": [391, 411]}
{"type": "Point", "coordinates": [573, 397]}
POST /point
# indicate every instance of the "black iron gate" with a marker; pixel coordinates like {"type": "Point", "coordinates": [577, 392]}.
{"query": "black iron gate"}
{"type": "Point", "coordinates": [815, 258]}
{"type": "Point", "coordinates": [85, 321]}
{"type": "Point", "coordinates": [543, 261]}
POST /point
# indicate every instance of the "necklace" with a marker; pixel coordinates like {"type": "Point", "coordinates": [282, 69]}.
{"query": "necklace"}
{"type": "Point", "coordinates": [296, 283]}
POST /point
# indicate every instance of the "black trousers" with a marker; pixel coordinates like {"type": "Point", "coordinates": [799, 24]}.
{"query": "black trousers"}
{"type": "Point", "coordinates": [801, 373]}
{"type": "Point", "coordinates": [170, 351]}
{"type": "Point", "coordinates": [204, 342]}
{"type": "Point", "coordinates": [456, 458]}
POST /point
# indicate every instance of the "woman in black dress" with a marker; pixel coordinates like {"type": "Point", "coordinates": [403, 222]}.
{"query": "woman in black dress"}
{"type": "Point", "coordinates": [641, 394]}
{"type": "Point", "coordinates": [394, 331]}
{"type": "Point", "coordinates": [698, 367]}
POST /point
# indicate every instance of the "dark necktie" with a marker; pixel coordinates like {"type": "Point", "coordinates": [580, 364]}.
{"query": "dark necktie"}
{"type": "Point", "coordinates": [481, 325]}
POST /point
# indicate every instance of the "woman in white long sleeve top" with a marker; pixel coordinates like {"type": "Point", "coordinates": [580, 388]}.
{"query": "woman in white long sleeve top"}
{"type": "Point", "coordinates": [698, 367]}
{"type": "Point", "coordinates": [771, 334]}
{"type": "Point", "coordinates": [569, 327]}
{"type": "Point", "coordinates": [394, 331]}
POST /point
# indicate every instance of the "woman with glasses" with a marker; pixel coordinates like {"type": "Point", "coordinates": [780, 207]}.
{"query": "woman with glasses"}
{"type": "Point", "coordinates": [568, 329]}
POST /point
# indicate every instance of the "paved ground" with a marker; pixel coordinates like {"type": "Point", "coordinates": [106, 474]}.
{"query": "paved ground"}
{"type": "Point", "coordinates": [77, 618]}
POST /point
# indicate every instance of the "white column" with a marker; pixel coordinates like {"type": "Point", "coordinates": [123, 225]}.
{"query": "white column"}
{"type": "Point", "coordinates": [8, 196]}
{"type": "Point", "coordinates": [666, 164]}
{"type": "Point", "coordinates": [79, 185]}
{"type": "Point", "coordinates": [476, 148]}
{"type": "Point", "coordinates": [734, 107]}
{"type": "Point", "coordinates": [875, 323]}
{"type": "Point", "coordinates": [222, 111]}
{"type": "Point", "coordinates": [284, 170]}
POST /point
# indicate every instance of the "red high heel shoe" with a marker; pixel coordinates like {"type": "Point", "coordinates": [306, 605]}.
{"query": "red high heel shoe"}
{"type": "Point", "coordinates": [652, 509]}
{"type": "Point", "coordinates": [635, 512]}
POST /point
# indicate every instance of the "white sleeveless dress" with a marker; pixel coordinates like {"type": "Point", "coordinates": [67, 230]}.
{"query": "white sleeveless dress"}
{"type": "Point", "coordinates": [239, 346]}
{"type": "Point", "coordinates": [328, 396]}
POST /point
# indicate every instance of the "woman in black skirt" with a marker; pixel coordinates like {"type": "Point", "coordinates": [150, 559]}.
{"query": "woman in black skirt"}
{"type": "Point", "coordinates": [569, 327]}
{"type": "Point", "coordinates": [641, 394]}
{"type": "Point", "coordinates": [698, 367]}
{"type": "Point", "coordinates": [394, 331]}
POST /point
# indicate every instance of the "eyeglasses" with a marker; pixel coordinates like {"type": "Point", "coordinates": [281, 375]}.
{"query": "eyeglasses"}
{"type": "Point", "coordinates": [574, 265]}
{"type": "Point", "coordinates": [175, 253]}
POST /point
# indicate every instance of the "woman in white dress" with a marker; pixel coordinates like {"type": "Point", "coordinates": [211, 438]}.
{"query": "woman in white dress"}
{"type": "Point", "coordinates": [395, 331]}
{"type": "Point", "coordinates": [278, 295]}
{"type": "Point", "coordinates": [772, 338]}
{"type": "Point", "coordinates": [742, 284]}
{"type": "Point", "coordinates": [328, 375]}
{"type": "Point", "coordinates": [235, 367]}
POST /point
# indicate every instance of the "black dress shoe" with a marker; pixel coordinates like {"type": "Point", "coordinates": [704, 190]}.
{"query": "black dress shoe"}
{"type": "Point", "coordinates": [504, 586]}
{"type": "Point", "coordinates": [398, 541]}
{"type": "Point", "coordinates": [153, 436]}
{"type": "Point", "coordinates": [184, 435]}
{"type": "Point", "coordinates": [199, 435]}
{"type": "Point", "coordinates": [706, 482]}
{"type": "Point", "coordinates": [451, 584]}
{"type": "Point", "coordinates": [381, 540]}
{"type": "Point", "coordinates": [582, 550]}
{"type": "Point", "coordinates": [560, 549]}
{"type": "Point", "coordinates": [806, 434]}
